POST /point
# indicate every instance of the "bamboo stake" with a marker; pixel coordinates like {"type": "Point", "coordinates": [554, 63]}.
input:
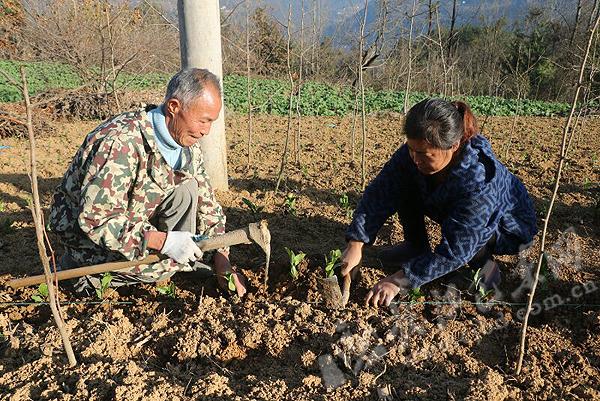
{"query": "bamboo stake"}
{"type": "Point", "coordinates": [36, 212]}
{"type": "Point", "coordinates": [563, 154]}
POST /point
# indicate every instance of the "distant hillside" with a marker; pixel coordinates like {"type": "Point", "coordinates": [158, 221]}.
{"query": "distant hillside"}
{"type": "Point", "coordinates": [341, 17]}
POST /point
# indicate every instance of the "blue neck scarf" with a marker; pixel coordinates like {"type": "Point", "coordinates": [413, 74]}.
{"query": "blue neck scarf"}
{"type": "Point", "coordinates": [169, 149]}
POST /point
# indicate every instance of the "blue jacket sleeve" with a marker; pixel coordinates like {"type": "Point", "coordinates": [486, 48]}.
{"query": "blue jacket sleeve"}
{"type": "Point", "coordinates": [379, 200]}
{"type": "Point", "coordinates": [468, 227]}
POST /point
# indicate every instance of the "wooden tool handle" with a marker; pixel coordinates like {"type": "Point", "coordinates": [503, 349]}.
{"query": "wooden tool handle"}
{"type": "Point", "coordinates": [84, 271]}
{"type": "Point", "coordinates": [346, 289]}
{"type": "Point", "coordinates": [241, 236]}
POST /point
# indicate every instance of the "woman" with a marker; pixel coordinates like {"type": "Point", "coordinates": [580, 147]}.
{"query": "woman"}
{"type": "Point", "coordinates": [448, 172]}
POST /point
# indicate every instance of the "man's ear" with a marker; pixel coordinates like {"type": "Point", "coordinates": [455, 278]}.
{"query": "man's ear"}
{"type": "Point", "coordinates": [455, 146]}
{"type": "Point", "coordinates": [172, 107]}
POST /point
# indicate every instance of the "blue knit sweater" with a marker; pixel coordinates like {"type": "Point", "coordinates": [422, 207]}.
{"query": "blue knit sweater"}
{"type": "Point", "coordinates": [479, 198]}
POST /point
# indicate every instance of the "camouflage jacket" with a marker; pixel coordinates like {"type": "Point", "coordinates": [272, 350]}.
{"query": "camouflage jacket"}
{"type": "Point", "coordinates": [118, 177]}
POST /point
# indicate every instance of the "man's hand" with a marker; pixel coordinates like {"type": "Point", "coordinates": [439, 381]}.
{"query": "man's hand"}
{"type": "Point", "coordinates": [386, 290]}
{"type": "Point", "coordinates": [222, 268]}
{"type": "Point", "coordinates": [351, 258]}
{"type": "Point", "coordinates": [180, 247]}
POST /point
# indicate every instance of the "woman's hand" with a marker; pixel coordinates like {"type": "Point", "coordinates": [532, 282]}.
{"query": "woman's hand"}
{"type": "Point", "coordinates": [351, 258]}
{"type": "Point", "coordinates": [222, 268]}
{"type": "Point", "coordinates": [386, 289]}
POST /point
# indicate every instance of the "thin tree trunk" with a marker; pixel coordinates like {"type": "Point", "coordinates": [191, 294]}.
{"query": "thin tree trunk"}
{"type": "Point", "coordinates": [563, 155]}
{"type": "Point", "coordinates": [36, 211]}
{"type": "Point", "coordinates": [315, 38]}
{"type": "Point", "coordinates": [353, 132]}
{"type": "Point", "coordinates": [451, 33]}
{"type": "Point", "coordinates": [362, 97]}
{"type": "Point", "coordinates": [577, 16]}
{"type": "Point", "coordinates": [430, 18]}
{"type": "Point", "coordinates": [298, 115]}
{"type": "Point", "coordinates": [112, 58]}
{"type": "Point", "coordinates": [441, 44]}
{"type": "Point", "coordinates": [248, 91]}
{"type": "Point", "coordinates": [410, 34]}
{"type": "Point", "coordinates": [514, 124]}
{"type": "Point", "coordinates": [289, 122]}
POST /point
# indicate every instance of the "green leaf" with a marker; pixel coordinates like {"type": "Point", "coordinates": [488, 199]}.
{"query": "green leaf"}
{"type": "Point", "coordinates": [37, 298]}
{"type": "Point", "coordinates": [106, 279]}
{"type": "Point", "coordinates": [43, 290]}
{"type": "Point", "coordinates": [231, 285]}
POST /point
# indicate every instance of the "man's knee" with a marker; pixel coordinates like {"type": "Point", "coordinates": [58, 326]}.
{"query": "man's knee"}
{"type": "Point", "coordinates": [186, 192]}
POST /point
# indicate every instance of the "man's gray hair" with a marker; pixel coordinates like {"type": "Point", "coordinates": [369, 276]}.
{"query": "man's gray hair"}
{"type": "Point", "coordinates": [189, 84]}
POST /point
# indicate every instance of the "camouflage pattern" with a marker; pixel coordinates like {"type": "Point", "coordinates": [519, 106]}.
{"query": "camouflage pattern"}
{"type": "Point", "coordinates": [111, 190]}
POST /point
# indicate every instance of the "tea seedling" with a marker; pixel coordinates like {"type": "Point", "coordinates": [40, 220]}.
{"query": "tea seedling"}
{"type": "Point", "coordinates": [415, 294]}
{"type": "Point", "coordinates": [330, 261]}
{"type": "Point", "coordinates": [483, 294]}
{"type": "Point", "coordinates": [42, 293]}
{"type": "Point", "coordinates": [104, 285]}
{"type": "Point", "coordinates": [295, 260]}
{"type": "Point", "coordinates": [304, 171]}
{"type": "Point", "coordinates": [289, 204]}
{"type": "Point", "coordinates": [254, 209]}
{"type": "Point", "coordinates": [230, 281]}
{"type": "Point", "coordinates": [168, 290]}
{"type": "Point", "coordinates": [345, 205]}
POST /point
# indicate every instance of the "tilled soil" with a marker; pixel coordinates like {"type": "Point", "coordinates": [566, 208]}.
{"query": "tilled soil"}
{"type": "Point", "coordinates": [280, 342]}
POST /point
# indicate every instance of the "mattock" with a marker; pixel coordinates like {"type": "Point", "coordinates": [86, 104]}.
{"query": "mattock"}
{"type": "Point", "coordinates": [257, 233]}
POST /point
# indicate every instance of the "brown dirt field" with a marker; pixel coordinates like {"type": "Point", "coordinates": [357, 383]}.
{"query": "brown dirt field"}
{"type": "Point", "coordinates": [279, 341]}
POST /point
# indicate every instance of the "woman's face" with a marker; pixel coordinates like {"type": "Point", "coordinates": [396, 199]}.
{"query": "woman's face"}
{"type": "Point", "coordinates": [428, 158]}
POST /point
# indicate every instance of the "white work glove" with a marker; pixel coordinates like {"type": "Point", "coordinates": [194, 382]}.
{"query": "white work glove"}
{"type": "Point", "coordinates": [180, 247]}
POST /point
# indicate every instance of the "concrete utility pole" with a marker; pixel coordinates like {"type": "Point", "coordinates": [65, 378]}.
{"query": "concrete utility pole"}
{"type": "Point", "coordinates": [200, 42]}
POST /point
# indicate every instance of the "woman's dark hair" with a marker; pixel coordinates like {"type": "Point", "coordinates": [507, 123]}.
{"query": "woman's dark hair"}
{"type": "Point", "coordinates": [441, 123]}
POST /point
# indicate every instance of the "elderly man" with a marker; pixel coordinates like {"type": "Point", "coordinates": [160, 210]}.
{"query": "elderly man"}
{"type": "Point", "coordinates": [137, 184]}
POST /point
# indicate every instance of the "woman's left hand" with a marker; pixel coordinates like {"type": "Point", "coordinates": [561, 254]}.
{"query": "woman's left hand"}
{"type": "Point", "coordinates": [386, 290]}
{"type": "Point", "coordinates": [222, 268]}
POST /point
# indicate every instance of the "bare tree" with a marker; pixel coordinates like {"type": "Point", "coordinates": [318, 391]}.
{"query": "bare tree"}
{"type": "Point", "coordinates": [300, 68]}
{"type": "Point", "coordinates": [361, 86]}
{"type": "Point", "coordinates": [568, 132]}
{"type": "Point", "coordinates": [248, 91]}
{"type": "Point", "coordinates": [409, 60]}
{"type": "Point", "coordinates": [38, 220]}
{"type": "Point", "coordinates": [290, 101]}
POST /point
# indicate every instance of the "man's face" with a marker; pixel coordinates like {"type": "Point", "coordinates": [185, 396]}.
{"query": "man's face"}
{"type": "Point", "coordinates": [187, 125]}
{"type": "Point", "coordinates": [428, 158]}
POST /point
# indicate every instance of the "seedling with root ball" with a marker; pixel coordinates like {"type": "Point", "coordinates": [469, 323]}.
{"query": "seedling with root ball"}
{"type": "Point", "coordinates": [331, 261]}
